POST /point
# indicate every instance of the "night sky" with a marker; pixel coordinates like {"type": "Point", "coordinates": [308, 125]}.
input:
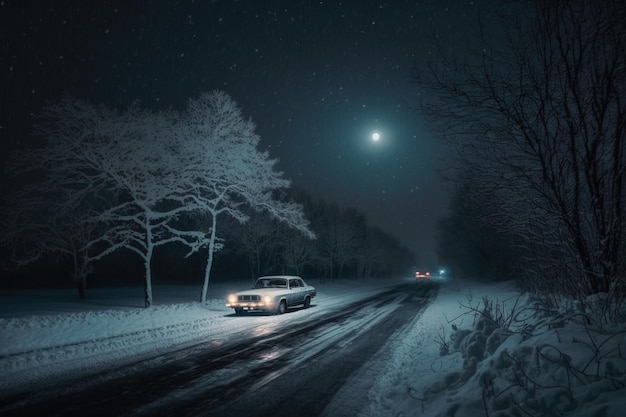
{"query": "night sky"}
{"type": "Point", "coordinates": [316, 77]}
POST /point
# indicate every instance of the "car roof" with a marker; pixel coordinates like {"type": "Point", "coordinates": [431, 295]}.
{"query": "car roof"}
{"type": "Point", "coordinates": [280, 276]}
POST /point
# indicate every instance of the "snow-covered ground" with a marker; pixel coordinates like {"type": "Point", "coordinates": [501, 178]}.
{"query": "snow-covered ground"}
{"type": "Point", "coordinates": [513, 361]}
{"type": "Point", "coordinates": [53, 334]}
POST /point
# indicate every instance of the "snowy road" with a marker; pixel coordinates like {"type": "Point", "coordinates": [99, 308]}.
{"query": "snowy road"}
{"type": "Point", "coordinates": [294, 364]}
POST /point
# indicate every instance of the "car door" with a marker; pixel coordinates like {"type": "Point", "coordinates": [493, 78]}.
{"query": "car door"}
{"type": "Point", "coordinates": [304, 289]}
{"type": "Point", "coordinates": [295, 292]}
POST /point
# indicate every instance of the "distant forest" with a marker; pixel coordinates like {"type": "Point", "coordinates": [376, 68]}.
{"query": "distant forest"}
{"type": "Point", "coordinates": [346, 246]}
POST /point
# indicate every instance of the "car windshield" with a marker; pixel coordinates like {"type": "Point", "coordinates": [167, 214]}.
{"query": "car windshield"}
{"type": "Point", "coordinates": [271, 283]}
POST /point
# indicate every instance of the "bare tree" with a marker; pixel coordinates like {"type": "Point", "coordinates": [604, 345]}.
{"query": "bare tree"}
{"type": "Point", "coordinates": [296, 250]}
{"type": "Point", "coordinates": [325, 219]}
{"type": "Point", "coordinates": [472, 249]}
{"type": "Point", "coordinates": [36, 222]}
{"type": "Point", "coordinates": [349, 231]}
{"type": "Point", "coordinates": [258, 241]}
{"type": "Point", "coordinates": [343, 234]}
{"type": "Point", "coordinates": [124, 165]}
{"type": "Point", "coordinates": [29, 232]}
{"type": "Point", "coordinates": [540, 121]}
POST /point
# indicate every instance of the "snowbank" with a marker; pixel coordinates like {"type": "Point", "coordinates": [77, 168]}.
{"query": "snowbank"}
{"type": "Point", "coordinates": [507, 360]}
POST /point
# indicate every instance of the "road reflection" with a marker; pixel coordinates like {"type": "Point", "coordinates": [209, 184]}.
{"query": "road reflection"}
{"type": "Point", "coordinates": [264, 330]}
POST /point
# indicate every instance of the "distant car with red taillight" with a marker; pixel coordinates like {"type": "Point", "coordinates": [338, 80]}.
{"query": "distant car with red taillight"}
{"type": "Point", "coordinates": [422, 274]}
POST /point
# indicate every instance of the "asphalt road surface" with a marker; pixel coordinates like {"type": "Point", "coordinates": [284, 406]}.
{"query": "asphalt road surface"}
{"type": "Point", "coordinates": [298, 369]}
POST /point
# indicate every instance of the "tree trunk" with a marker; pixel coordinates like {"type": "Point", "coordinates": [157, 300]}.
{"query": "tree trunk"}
{"type": "Point", "coordinates": [209, 262]}
{"type": "Point", "coordinates": [81, 270]}
{"type": "Point", "coordinates": [147, 262]}
{"type": "Point", "coordinates": [81, 285]}
{"type": "Point", "coordinates": [148, 282]}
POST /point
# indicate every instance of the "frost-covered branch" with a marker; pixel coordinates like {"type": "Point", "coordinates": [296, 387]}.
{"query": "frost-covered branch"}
{"type": "Point", "coordinates": [146, 177]}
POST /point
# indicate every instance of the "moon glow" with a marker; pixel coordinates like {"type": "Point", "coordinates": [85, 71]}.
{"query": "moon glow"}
{"type": "Point", "coordinates": [375, 136]}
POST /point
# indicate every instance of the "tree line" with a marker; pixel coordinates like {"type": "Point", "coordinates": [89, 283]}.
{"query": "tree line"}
{"type": "Point", "coordinates": [535, 115]}
{"type": "Point", "coordinates": [346, 245]}
{"type": "Point", "coordinates": [103, 181]}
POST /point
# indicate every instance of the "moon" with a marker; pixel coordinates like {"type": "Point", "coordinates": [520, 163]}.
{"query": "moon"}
{"type": "Point", "coordinates": [375, 136]}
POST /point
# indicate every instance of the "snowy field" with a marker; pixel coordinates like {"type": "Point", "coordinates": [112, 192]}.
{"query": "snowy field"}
{"type": "Point", "coordinates": [512, 360]}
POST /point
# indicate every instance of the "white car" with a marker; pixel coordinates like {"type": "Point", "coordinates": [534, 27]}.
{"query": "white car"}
{"type": "Point", "coordinates": [273, 294]}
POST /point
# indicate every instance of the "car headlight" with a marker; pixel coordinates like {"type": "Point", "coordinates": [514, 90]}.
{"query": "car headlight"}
{"type": "Point", "coordinates": [267, 299]}
{"type": "Point", "coordinates": [232, 298]}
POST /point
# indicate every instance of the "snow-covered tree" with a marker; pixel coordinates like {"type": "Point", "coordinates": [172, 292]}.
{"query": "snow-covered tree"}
{"type": "Point", "coordinates": [227, 171]}
{"type": "Point", "coordinates": [147, 179]}
{"type": "Point", "coordinates": [153, 178]}
{"type": "Point", "coordinates": [124, 166]}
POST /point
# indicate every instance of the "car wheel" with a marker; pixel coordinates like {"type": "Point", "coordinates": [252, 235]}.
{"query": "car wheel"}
{"type": "Point", "coordinates": [282, 307]}
{"type": "Point", "coordinates": [307, 302]}
{"type": "Point", "coordinates": [238, 310]}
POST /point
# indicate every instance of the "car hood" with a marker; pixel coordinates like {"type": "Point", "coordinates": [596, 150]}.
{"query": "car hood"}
{"type": "Point", "coordinates": [263, 291]}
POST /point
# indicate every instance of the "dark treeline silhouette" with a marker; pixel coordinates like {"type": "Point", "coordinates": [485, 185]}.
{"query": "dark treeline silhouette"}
{"type": "Point", "coordinates": [535, 118]}
{"type": "Point", "coordinates": [346, 247]}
